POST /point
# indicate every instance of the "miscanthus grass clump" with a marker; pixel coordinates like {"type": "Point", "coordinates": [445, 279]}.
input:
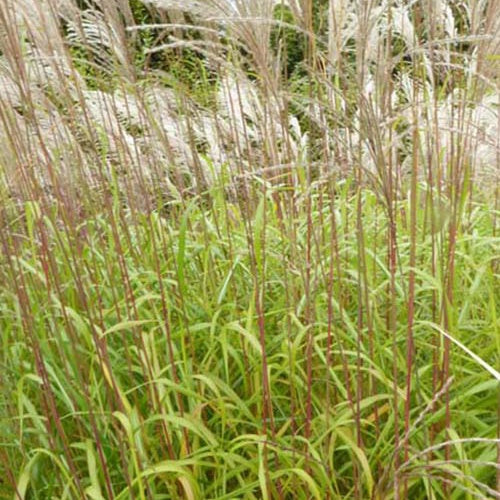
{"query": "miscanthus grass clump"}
{"type": "Point", "coordinates": [220, 352]}
{"type": "Point", "coordinates": [249, 249]}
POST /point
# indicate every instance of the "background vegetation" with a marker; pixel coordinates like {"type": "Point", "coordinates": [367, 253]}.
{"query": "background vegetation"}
{"type": "Point", "coordinates": [249, 249]}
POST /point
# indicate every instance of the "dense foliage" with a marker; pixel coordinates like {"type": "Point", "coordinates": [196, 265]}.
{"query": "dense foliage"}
{"type": "Point", "coordinates": [249, 249]}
